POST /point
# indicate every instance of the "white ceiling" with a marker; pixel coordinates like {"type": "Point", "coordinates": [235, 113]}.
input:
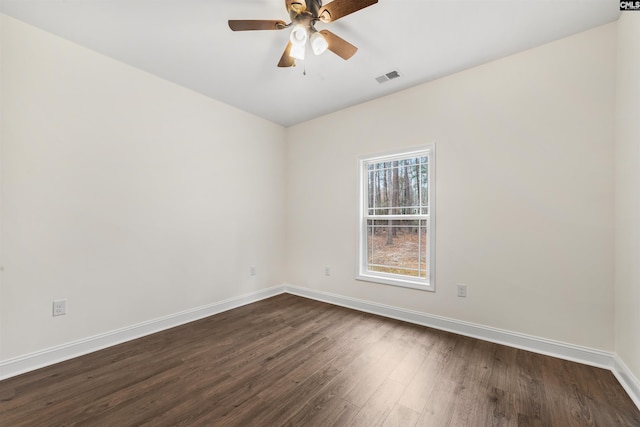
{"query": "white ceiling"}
{"type": "Point", "coordinates": [188, 42]}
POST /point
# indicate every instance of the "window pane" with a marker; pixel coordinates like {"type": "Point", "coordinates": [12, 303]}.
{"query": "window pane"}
{"type": "Point", "coordinates": [424, 177]}
{"type": "Point", "coordinates": [397, 247]}
{"type": "Point", "coordinates": [398, 187]}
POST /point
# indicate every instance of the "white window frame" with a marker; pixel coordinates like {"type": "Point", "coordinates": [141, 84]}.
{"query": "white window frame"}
{"type": "Point", "coordinates": [363, 273]}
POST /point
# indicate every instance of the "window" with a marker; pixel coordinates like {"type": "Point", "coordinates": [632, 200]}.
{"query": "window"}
{"type": "Point", "coordinates": [396, 219]}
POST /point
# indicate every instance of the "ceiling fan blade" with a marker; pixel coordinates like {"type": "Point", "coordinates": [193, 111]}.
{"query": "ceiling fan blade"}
{"type": "Point", "coordinates": [256, 24]}
{"type": "Point", "coordinates": [340, 8]}
{"type": "Point", "coordinates": [338, 45]}
{"type": "Point", "coordinates": [286, 60]}
{"type": "Point", "coordinates": [296, 6]}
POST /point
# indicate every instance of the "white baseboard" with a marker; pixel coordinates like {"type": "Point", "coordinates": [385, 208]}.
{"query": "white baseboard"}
{"type": "Point", "coordinates": [12, 367]}
{"type": "Point", "coordinates": [628, 381]}
{"type": "Point", "coordinates": [587, 356]}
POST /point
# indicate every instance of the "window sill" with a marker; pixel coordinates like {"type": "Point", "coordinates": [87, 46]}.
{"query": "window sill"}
{"type": "Point", "coordinates": [396, 282]}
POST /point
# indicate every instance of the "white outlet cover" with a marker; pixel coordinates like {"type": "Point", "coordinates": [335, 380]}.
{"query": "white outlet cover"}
{"type": "Point", "coordinates": [60, 307]}
{"type": "Point", "coordinates": [462, 290]}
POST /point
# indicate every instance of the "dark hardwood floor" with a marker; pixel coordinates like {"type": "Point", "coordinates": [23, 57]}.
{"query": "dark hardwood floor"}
{"type": "Point", "coordinates": [293, 361]}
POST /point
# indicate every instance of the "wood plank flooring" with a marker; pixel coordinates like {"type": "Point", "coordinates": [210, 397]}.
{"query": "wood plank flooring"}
{"type": "Point", "coordinates": [293, 361]}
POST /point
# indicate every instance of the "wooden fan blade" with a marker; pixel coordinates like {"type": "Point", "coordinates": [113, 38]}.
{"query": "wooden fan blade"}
{"type": "Point", "coordinates": [340, 8]}
{"type": "Point", "coordinates": [256, 24]}
{"type": "Point", "coordinates": [287, 60]}
{"type": "Point", "coordinates": [338, 45]}
{"type": "Point", "coordinates": [296, 6]}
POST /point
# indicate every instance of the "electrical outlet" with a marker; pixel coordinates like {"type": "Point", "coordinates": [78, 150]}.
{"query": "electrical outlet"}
{"type": "Point", "coordinates": [60, 307]}
{"type": "Point", "coordinates": [252, 270]}
{"type": "Point", "coordinates": [462, 290]}
{"type": "Point", "coordinates": [327, 271]}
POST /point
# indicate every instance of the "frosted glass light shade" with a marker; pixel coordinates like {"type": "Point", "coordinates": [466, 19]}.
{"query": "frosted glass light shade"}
{"type": "Point", "coordinates": [298, 39]}
{"type": "Point", "coordinates": [297, 51]}
{"type": "Point", "coordinates": [299, 35]}
{"type": "Point", "coordinates": [318, 43]}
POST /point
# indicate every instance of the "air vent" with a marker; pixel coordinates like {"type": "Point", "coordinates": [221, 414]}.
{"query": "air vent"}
{"type": "Point", "coordinates": [389, 76]}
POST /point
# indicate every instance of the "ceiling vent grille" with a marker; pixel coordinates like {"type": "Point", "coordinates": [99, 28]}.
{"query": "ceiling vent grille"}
{"type": "Point", "coordinates": [386, 77]}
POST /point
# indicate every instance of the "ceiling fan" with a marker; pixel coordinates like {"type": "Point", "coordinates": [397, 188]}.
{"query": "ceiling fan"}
{"type": "Point", "coordinates": [304, 15]}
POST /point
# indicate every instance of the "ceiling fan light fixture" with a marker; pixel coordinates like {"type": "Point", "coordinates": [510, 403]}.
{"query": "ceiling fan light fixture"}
{"type": "Point", "coordinates": [318, 43]}
{"type": "Point", "coordinates": [297, 51]}
{"type": "Point", "coordinates": [299, 35]}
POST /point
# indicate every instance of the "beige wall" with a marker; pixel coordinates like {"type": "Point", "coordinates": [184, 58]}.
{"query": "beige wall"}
{"type": "Point", "coordinates": [627, 197]}
{"type": "Point", "coordinates": [524, 191]}
{"type": "Point", "coordinates": [134, 198]}
{"type": "Point", "coordinates": [131, 197]}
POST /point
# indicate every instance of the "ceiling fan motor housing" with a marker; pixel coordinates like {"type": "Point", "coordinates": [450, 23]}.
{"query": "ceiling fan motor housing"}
{"type": "Point", "coordinates": [310, 8]}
